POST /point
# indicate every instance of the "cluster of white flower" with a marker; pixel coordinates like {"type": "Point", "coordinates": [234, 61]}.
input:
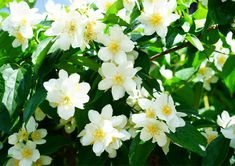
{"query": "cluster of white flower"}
{"type": "Point", "coordinates": [157, 16]}
{"type": "Point", "coordinates": [78, 26]}
{"type": "Point", "coordinates": [205, 73]}
{"type": "Point", "coordinates": [24, 152]}
{"type": "Point", "coordinates": [118, 70]}
{"type": "Point", "coordinates": [66, 93]}
{"type": "Point", "coordinates": [227, 125]}
{"type": "Point", "coordinates": [105, 132]}
{"type": "Point", "coordinates": [159, 117]}
{"type": "Point", "coordinates": [20, 23]}
{"type": "Point", "coordinates": [73, 28]}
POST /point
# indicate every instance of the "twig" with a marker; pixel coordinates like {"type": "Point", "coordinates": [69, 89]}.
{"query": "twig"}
{"type": "Point", "coordinates": [183, 45]}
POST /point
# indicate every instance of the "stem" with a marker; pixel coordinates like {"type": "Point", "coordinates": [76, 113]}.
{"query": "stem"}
{"type": "Point", "coordinates": [183, 45]}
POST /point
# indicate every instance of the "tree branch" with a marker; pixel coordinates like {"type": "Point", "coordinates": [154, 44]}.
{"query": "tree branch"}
{"type": "Point", "coordinates": [183, 45]}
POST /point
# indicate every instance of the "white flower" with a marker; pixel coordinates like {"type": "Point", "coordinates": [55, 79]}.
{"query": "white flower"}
{"type": "Point", "coordinates": [210, 135]}
{"type": "Point", "coordinates": [38, 135]}
{"type": "Point", "coordinates": [23, 18]}
{"type": "Point", "coordinates": [92, 28]}
{"type": "Point", "coordinates": [165, 148]}
{"type": "Point", "coordinates": [150, 112]}
{"type": "Point", "coordinates": [24, 132]}
{"type": "Point", "coordinates": [138, 94]}
{"type": "Point", "coordinates": [155, 130]}
{"type": "Point", "coordinates": [66, 93]}
{"type": "Point", "coordinates": [104, 5]}
{"type": "Point", "coordinates": [19, 40]}
{"type": "Point", "coordinates": [167, 73]}
{"type": "Point", "coordinates": [27, 132]}
{"type": "Point", "coordinates": [208, 81]}
{"type": "Point", "coordinates": [117, 44]}
{"type": "Point", "coordinates": [25, 153]}
{"type": "Point", "coordinates": [118, 78]}
{"type": "Point", "coordinates": [228, 126]}
{"type": "Point", "coordinates": [231, 41]}
{"type": "Point", "coordinates": [200, 23]}
{"type": "Point", "coordinates": [68, 30]}
{"type": "Point", "coordinates": [129, 4]}
{"type": "Point", "coordinates": [225, 120]}
{"type": "Point", "coordinates": [43, 160]}
{"type": "Point", "coordinates": [229, 132]}
{"type": "Point", "coordinates": [105, 132]}
{"type": "Point", "coordinates": [165, 107]}
{"type": "Point", "coordinates": [176, 121]}
{"type": "Point", "coordinates": [20, 23]}
{"type": "Point", "coordinates": [12, 162]}
{"type": "Point", "coordinates": [220, 59]}
{"type": "Point", "coordinates": [54, 11]}
{"type": "Point", "coordinates": [157, 16]}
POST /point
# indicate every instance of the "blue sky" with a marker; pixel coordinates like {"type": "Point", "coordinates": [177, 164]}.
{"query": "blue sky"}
{"type": "Point", "coordinates": [40, 4]}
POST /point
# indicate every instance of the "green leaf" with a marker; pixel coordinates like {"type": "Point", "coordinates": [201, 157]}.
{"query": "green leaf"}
{"type": "Point", "coordinates": [118, 5]}
{"type": "Point", "coordinates": [24, 87]}
{"type": "Point", "coordinates": [230, 82]}
{"type": "Point", "coordinates": [139, 151]}
{"type": "Point", "coordinates": [189, 138]}
{"type": "Point", "coordinates": [228, 74]}
{"type": "Point", "coordinates": [182, 95]}
{"type": "Point", "coordinates": [195, 42]}
{"type": "Point", "coordinates": [84, 61]}
{"type": "Point", "coordinates": [41, 52]}
{"type": "Point", "coordinates": [221, 12]}
{"type": "Point", "coordinates": [200, 13]}
{"type": "Point", "coordinates": [216, 152]}
{"type": "Point", "coordinates": [185, 74]}
{"type": "Point", "coordinates": [12, 78]}
{"type": "Point", "coordinates": [38, 97]}
{"type": "Point", "coordinates": [2, 87]}
{"type": "Point", "coordinates": [135, 13]}
{"type": "Point", "coordinates": [228, 66]}
{"type": "Point", "coordinates": [114, 19]}
{"type": "Point", "coordinates": [5, 121]}
{"type": "Point", "coordinates": [53, 144]}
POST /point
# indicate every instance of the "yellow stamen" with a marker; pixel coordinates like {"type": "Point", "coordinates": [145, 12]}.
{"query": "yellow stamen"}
{"type": "Point", "coordinates": [221, 59]}
{"type": "Point", "coordinates": [36, 135]}
{"type": "Point", "coordinates": [150, 113]}
{"type": "Point", "coordinates": [155, 19]}
{"type": "Point", "coordinates": [19, 37]}
{"type": "Point", "coordinates": [202, 70]}
{"type": "Point", "coordinates": [99, 134]}
{"type": "Point", "coordinates": [152, 129]}
{"type": "Point", "coordinates": [72, 27]}
{"type": "Point", "coordinates": [26, 153]}
{"type": "Point", "coordinates": [118, 79]}
{"type": "Point", "coordinates": [66, 100]}
{"type": "Point", "coordinates": [23, 135]}
{"type": "Point", "coordinates": [166, 110]}
{"type": "Point", "coordinates": [114, 47]}
{"type": "Point", "coordinates": [89, 34]}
